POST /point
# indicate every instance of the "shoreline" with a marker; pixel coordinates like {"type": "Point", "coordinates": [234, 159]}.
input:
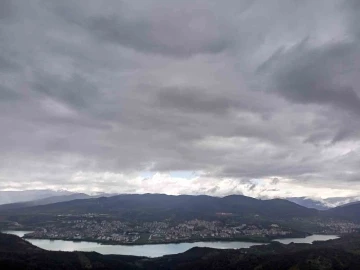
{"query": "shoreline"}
{"type": "Point", "coordinates": [263, 240]}
{"type": "Point", "coordinates": [112, 243]}
{"type": "Point", "coordinates": [246, 239]}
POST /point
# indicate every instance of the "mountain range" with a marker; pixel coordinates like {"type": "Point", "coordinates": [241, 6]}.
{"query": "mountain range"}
{"type": "Point", "coordinates": [161, 206]}
{"type": "Point", "coordinates": [323, 204]}
{"type": "Point", "coordinates": [44, 196]}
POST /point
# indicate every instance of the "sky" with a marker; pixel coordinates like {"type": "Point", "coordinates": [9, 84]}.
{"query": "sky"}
{"type": "Point", "coordinates": [252, 97]}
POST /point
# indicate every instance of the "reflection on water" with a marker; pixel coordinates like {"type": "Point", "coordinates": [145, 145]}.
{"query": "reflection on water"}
{"type": "Point", "coordinates": [308, 240]}
{"type": "Point", "coordinates": [18, 233]}
{"type": "Point", "coordinates": [152, 250]}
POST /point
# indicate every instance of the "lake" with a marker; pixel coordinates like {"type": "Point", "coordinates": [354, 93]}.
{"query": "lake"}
{"type": "Point", "coordinates": [153, 250]}
{"type": "Point", "coordinates": [307, 240]}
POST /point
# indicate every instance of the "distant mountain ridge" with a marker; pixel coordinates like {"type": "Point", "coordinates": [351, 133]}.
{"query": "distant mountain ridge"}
{"type": "Point", "coordinates": [347, 209]}
{"type": "Point", "coordinates": [309, 203]}
{"type": "Point", "coordinates": [160, 206]}
{"type": "Point", "coordinates": [48, 200]}
{"type": "Point", "coordinates": [7, 197]}
{"type": "Point", "coordinates": [27, 196]}
{"type": "Point", "coordinates": [323, 204]}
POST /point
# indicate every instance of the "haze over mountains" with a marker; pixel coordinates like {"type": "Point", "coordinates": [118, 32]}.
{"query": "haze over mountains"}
{"type": "Point", "coordinates": [48, 200]}
{"type": "Point", "coordinates": [29, 195]}
{"type": "Point", "coordinates": [323, 204]}
{"type": "Point", "coordinates": [44, 196]}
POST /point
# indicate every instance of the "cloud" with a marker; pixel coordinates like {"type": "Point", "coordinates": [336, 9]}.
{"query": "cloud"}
{"type": "Point", "coordinates": [6, 10]}
{"type": "Point", "coordinates": [177, 29]}
{"type": "Point", "coordinates": [316, 75]}
{"type": "Point", "coordinates": [182, 38]}
{"type": "Point", "coordinates": [197, 101]}
{"type": "Point", "coordinates": [93, 94]}
{"type": "Point", "coordinates": [75, 91]}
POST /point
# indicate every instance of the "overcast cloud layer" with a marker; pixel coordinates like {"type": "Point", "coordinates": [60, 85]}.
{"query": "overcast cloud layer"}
{"type": "Point", "coordinates": [260, 98]}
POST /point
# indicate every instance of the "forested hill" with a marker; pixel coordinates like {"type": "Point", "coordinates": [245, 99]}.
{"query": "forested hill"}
{"type": "Point", "coordinates": [158, 206]}
{"type": "Point", "coordinates": [345, 212]}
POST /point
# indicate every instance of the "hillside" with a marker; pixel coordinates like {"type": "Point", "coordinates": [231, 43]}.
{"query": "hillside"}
{"type": "Point", "coordinates": [160, 206]}
{"type": "Point", "coordinates": [348, 212]}
{"type": "Point", "coordinates": [12, 243]}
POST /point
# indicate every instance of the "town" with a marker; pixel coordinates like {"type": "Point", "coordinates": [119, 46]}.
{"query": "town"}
{"type": "Point", "coordinates": [338, 227]}
{"type": "Point", "coordinates": [154, 232]}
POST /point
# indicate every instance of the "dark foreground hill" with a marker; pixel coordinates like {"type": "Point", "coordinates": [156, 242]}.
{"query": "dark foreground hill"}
{"type": "Point", "coordinates": [160, 206]}
{"type": "Point", "coordinates": [343, 253]}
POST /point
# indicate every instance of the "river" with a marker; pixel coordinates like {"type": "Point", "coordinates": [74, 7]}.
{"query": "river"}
{"type": "Point", "coordinates": [153, 250]}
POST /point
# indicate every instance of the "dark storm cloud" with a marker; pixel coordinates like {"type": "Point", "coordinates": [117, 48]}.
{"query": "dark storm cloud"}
{"type": "Point", "coordinates": [96, 92]}
{"type": "Point", "coordinates": [75, 91]}
{"type": "Point", "coordinates": [312, 75]}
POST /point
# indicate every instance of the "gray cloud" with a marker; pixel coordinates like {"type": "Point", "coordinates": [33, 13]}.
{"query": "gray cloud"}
{"type": "Point", "coordinates": [235, 92]}
{"type": "Point", "coordinates": [6, 64]}
{"type": "Point", "coordinates": [275, 181]}
{"type": "Point", "coordinates": [75, 91]}
{"type": "Point", "coordinates": [353, 7]}
{"type": "Point", "coordinates": [315, 76]}
{"type": "Point", "coordinates": [195, 100]}
{"type": "Point", "coordinates": [157, 37]}
{"type": "Point", "coordinates": [6, 10]}
{"type": "Point", "coordinates": [170, 29]}
{"type": "Point", "coordinates": [7, 95]}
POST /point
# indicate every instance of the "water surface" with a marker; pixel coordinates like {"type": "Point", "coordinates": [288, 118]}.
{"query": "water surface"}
{"type": "Point", "coordinates": [152, 250]}
{"type": "Point", "coordinates": [307, 240]}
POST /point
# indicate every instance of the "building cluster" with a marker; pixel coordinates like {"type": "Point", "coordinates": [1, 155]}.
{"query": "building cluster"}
{"type": "Point", "coordinates": [87, 229]}
{"type": "Point", "coordinates": [201, 229]}
{"type": "Point", "coordinates": [152, 232]}
{"type": "Point", "coordinates": [338, 227]}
